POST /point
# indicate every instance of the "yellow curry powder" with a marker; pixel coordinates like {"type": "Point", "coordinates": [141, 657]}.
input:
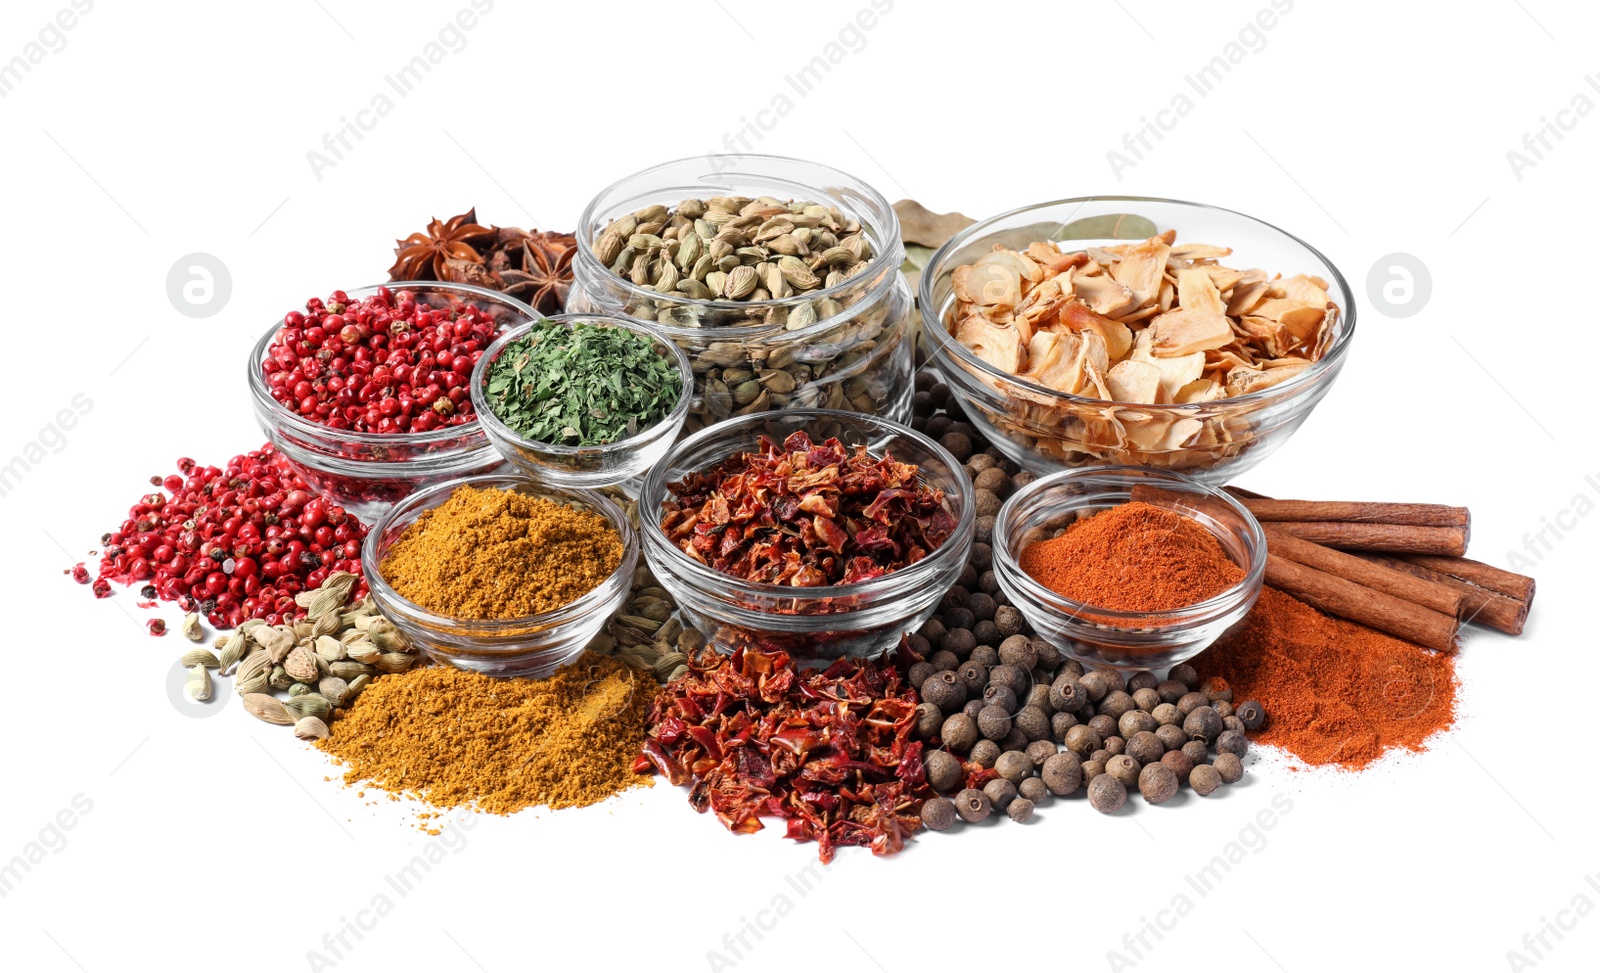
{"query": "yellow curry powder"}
{"type": "Point", "coordinates": [462, 739]}
{"type": "Point", "coordinates": [492, 553]}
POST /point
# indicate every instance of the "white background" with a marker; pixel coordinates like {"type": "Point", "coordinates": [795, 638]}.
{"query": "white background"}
{"type": "Point", "coordinates": [1366, 128]}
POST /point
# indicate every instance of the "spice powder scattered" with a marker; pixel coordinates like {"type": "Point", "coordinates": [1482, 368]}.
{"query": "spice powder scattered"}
{"type": "Point", "coordinates": [492, 553]}
{"type": "Point", "coordinates": [1336, 693]}
{"type": "Point", "coordinates": [1133, 557]}
{"type": "Point", "coordinates": [462, 739]}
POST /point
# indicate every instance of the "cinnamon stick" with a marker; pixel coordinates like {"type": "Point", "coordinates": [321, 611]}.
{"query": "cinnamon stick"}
{"type": "Point", "coordinates": [1422, 591]}
{"type": "Point", "coordinates": [1481, 606]}
{"type": "Point", "coordinates": [1241, 494]}
{"type": "Point", "coordinates": [1507, 583]}
{"type": "Point", "coordinates": [1358, 512]}
{"type": "Point", "coordinates": [1391, 538]}
{"type": "Point", "coordinates": [1358, 603]}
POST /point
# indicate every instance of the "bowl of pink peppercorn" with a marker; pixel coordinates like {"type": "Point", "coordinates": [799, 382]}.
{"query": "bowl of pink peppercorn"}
{"type": "Point", "coordinates": [366, 393]}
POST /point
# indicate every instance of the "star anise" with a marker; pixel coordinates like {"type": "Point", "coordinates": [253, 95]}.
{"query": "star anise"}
{"type": "Point", "coordinates": [448, 251]}
{"type": "Point", "coordinates": [537, 269]}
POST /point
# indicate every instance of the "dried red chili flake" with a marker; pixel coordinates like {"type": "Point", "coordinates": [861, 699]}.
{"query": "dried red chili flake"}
{"type": "Point", "coordinates": [829, 751]}
{"type": "Point", "coordinates": [805, 515]}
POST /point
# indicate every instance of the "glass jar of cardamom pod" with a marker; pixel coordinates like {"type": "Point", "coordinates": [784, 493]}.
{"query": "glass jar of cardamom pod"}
{"type": "Point", "coordinates": [779, 278]}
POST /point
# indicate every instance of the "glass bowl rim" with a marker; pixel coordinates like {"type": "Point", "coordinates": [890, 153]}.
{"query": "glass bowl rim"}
{"type": "Point", "coordinates": [945, 344]}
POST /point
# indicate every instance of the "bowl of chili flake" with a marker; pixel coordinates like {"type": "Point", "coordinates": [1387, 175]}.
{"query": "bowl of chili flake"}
{"type": "Point", "coordinates": [819, 533]}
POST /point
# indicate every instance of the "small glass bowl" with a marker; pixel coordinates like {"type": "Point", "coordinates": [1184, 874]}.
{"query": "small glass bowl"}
{"type": "Point", "coordinates": [1044, 430]}
{"type": "Point", "coordinates": [811, 624]}
{"type": "Point", "coordinates": [534, 646]}
{"type": "Point", "coordinates": [366, 473]}
{"type": "Point", "coordinates": [585, 467]}
{"type": "Point", "coordinates": [1121, 639]}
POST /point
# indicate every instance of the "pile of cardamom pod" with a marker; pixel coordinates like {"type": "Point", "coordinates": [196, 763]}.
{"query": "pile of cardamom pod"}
{"type": "Point", "coordinates": [646, 633]}
{"type": "Point", "coordinates": [321, 662]}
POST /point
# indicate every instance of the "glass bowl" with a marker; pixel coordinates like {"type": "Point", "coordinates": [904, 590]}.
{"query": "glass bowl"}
{"type": "Point", "coordinates": [366, 473]}
{"type": "Point", "coordinates": [1121, 639]}
{"type": "Point", "coordinates": [857, 351]}
{"type": "Point", "coordinates": [533, 646]}
{"type": "Point", "coordinates": [585, 466]}
{"type": "Point", "coordinates": [812, 624]}
{"type": "Point", "coordinates": [1044, 430]}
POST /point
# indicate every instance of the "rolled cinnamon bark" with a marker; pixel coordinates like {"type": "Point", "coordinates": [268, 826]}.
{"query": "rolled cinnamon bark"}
{"type": "Point", "coordinates": [1413, 588]}
{"type": "Point", "coordinates": [1241, 494]}
{"type": "Point", "coordinates": [1358, 603]}
{"type": "Point", "coordinates": [1411, 514]}
{"type": "Point", "coordinates": [1507, 583]}
{"type": "Point", "coordinates": [1481, 606]}
{"type": "Point", "coordinates": [1390, 538]}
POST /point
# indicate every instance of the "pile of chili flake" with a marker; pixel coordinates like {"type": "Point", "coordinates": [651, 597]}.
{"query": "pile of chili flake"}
{"type": "Point", "coordinates": [807, 515]}
{"type": "Point", "coordinates": [830, 751]}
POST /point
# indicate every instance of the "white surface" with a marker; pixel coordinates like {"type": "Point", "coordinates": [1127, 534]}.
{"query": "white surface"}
{"type": "Point", "coordinates": [1365, 128]}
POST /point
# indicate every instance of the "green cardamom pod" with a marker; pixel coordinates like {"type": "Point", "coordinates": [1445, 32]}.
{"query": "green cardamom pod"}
{"type": "Point", "coordinates": [233, 651]}
{"type": "Point", "coordinates": [191, 627]}
{"type": "Point", "coordinates": [268, 709]}
{"type": "Point", "coordinates": [280, 679]}
{"type": "Point", "coordinates": [199, 686]}
{"type": "Point", "coordinates": [200, 657]}
{"type": "Point", "coordinates": [310, 728]}
{"type": "Point", "coordinates": [309, 704]}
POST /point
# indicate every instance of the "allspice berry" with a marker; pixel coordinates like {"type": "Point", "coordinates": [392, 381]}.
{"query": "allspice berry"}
{"type": "Point", "coordinates": [1167, 715]}
{"type": "Point", "coordinates": [994, 722]}
{"type": "Point", "coordinates": [1186, 674]}
{"type": "Point", "coordinates": [1034, 789]}
{"type": "Point", "coordinates": [919, 673]}
{"type": "Point", "coordinates": [1229, 741]}
{"type": "Point", "coordinates": [1143, 679]}
{"type": "Point", "coordinates": [1113, 745]}
{"type": "Point", "coordinates": [938, 813]}
{"type": "Point", "coordinates": [1147, 699]}
{"type": "Point", "coordinates": [1006, 618]}
{"type": "Point", "coordinates": [1145, 747]}
{"type": "Point", "coordinates": [1015, 740]}
{"type": "Point", "coordinates": [1039, 695]}
{"type": "Point", "coordinates": [1062, 774]}
{"type": "Point", "coordinates": [1158, 783]}
{"type": "Point", "coordinates": [1189, 702]}
{"type": "Point", "coordinates": [1171, 690]}
{"type": "Point", "coordinates": [1067, 694]}
{"type": "Point", "coordinates": [1115, 704]}
{"type": "Point", "coordinates": [1178, 762]}
{"type": "Point", "coordinates": [972, 709]}
{"type": "Point", "coordinates": [959, 733]}
{"type": "Point", "coordinates": [984, 753]}
{"type": "Point", "coordinates": [1000, 792]}
{"type": "Point", "coordinates": [1106, 794]}
{"type": "Point", "coordinates": [972, 805]}
{"type": "Point", "coordinates": [929, 719]}
{"type": "Point", "coordinates": [1195, 750]}
{"type": "Point", "coordinates": [943, 770]}
{"type": "Point", "coordinates": [974, 677]}
{"type": "Point", "coordinates": [1217, 688]}
{"type": "Point", "coordinates": [1082, 740]}
{"type": "Point", "coordinates": [1125, 769]}
{"type": "Point", "coordinates": [944, 690]}
{"type": "Point", "coordinates": [1032, 722]}
{"type": "Point", "coordinates": [1013, 678]}
{"type": "Point", "coordinates": [1039, 751]}
{"type": "Point", "coordinates": [1060, 724]}
{"type": "Point", "coordinates": [1093, 768]}
{"type": "Point", "coordinates": [1136, 721]}
{"type": "Point", "coordinates": [1001, 696]}
{"type": "Point", "coordinates": [986, 502]}
{"type": "Point", "coordinates": [993, 479]}
{"type": "Point", "coordinates": [959, 642]}
{"type": "Point", "coordinates": [1251, 714]}
{"type": "Point", "coordinates": [1229, 767]}
{"type": "Point", "coordinates": [1014, 765]}
{"type": "Point", "coordinates": [1097, 682]}
{"type": "Point", "coordinates": [1203, 724]}
{"type": "Point", "coordinates": [1018, 651]}
{"type": "Point", "coordinates": [943, 660]}
{"type": "Point", "coordinates": [1020, 810]}
{"type": "Point", "coordinates": [987, 656]}
{"type": "Point", "coordinates": [1172, 736]}
{"type": "Point", "coordinates": [1048, 655]}
{"type": "Point", "coordinates": [1103, 725]}
{"type": "Point", "coordinates": [1205, 778]}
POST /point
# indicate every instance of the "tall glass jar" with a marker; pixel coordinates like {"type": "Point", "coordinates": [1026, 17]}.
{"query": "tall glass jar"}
{"type": "Point", "coordinates": [848, 347]}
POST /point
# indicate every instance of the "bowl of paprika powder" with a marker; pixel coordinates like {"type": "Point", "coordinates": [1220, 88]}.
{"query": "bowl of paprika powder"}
{"type": "Point", "coordinates": [1128, 567]}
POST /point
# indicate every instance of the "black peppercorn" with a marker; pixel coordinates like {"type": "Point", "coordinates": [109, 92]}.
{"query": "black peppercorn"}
{"type": "Point", "coordinates": [1039, 751]}
{"type": "Point", "coordinates": [1067, 694]}
{"type": "Point", "coordinates": [929, 719]}
{"type": "Point", "coordinates": [1196, 751]}
{"type": "Point", "coordinates": [1125, 769]}
{"type": "Point", "coordinates": [1014, 765]}
{"type": "Point", "coordinates": [1015, 679]}
{"type": "Point", "coordinates": [1251, 714]}
{"type": "Point", "coordinates": [972, 805]}
{"type": "Point", "coordinates": [1104, 725]}
{"type": "Point", "coordinates": [1114, 745]}
{"type": "Point", "coordinates": [1217, 688]}
{"type": "Point", "coordinates": [1033, 789]}
{"type": "Point", "coordinates": [1106, 793]}
{"type": "Point", "coordinates": [1136, 721]}
{"type": "Point", "coordinates": [1229, 767]}
{"type": "Point", "coordinates": [974, 676]}
{"type": "Point", "coordinates": [919, 673]}
{"type": "Point", "coordinates": [1000, 792]}
{"type": "Point", "coordinates": [1143, 679]}
{"type": "Point", "coordinates": [994, 722]}
{"type": "Point", "coordinates": [1145, 747]}
{"type": "Point", "coordinates": [944, 690]}
{"type": "Point", "coordinates": [972, 708]}
{"type": "Point", "coordinates": [987, 656]}
{"type": "Point", "coordinates": [1158, 783]}
{"type": "Point", "coordinates": [1060, 723]}
{"type": "Point", "coordinates": [1171, 736]}
{"type": "Point", "coordinates": [1204, 778]}
{"type": "Point", "coordinates": [959, 733]}
{"type": "Point", "coordinates": [1007, 620]}
{"type": "Point", "coordinates": [1115, 703]}
{"type": "Point", "coordinates": [1202, 724]}
{"type": "Point", "coordinates": [938, 813]}
{"type": "Point", "coordinates": [1167, 715]}
{"type": "Point", "coordinates": [1020, 810]}
{"type": "Point", "coordinates": [984, 753]}
{"type": "Point", "coordinates": [1082, 740]}
{"type": "Point", "coordinates": [943, 770]}
{"type": "Point", "coordinates": [1033, 723]}
{"type": "Point", "coordinates": [986, 632]}
{"type": "Point", "coordinates": [1171, 690]}
{"type": "Point", "coordinates": [1229, 741]}
{"type": "Point", "coordinates": [1179, 763]}
{"type": "Point", "coordinates": [1186, 674]}
{"type": "Point", "coordinates": [1062, 773]}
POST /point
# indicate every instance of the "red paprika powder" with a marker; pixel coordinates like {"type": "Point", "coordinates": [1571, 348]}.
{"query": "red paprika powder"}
{"type": "Point", "coordinates": [1336, 693]}
{"type": "Point", "coordinates": [1133, 557]}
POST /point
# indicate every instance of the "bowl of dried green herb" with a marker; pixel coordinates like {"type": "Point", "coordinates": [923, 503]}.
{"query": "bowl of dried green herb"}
{"type": "Point", "coordinates": [582, 400]}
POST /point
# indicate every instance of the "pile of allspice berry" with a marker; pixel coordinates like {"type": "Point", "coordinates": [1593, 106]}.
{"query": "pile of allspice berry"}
{"type": "Point", "coordinates": [1009, 722]}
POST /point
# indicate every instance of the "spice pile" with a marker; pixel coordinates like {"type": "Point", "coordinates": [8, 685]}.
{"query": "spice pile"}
{"type": "Point", "coordinates": [533, 266]}
{"type": "Point", "coordinates": [584, 384]}
{"type": "Point", "coordinates": [494, 553]}
{"type": "Point", "coordinates": [806, 515]}
{"type": "Point", "coordinates": [231, 543]}
{"type": "Point", "coordinates": [829, 752]}
{"type": "Point", "coordinates": [385, 364]}
{"type": "Point", "coordinates": [453, 738]}
{"type": "Point", "coordinates": [1133, 557]}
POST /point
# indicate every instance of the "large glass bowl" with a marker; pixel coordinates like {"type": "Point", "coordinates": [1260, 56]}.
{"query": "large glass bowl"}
{"type": "Point", "coordinates": [366, 473]}
{"type": "Point", "coordinates": [585, 466]}
{"type": "Point", "coordinates": [1042, 429]}
{"type": "Point", "coordinates": [814, 624]}
{"type": "Point", "coordinates": [533, 646]}
{"type": "Point", "coordinates": [1101, 637]}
